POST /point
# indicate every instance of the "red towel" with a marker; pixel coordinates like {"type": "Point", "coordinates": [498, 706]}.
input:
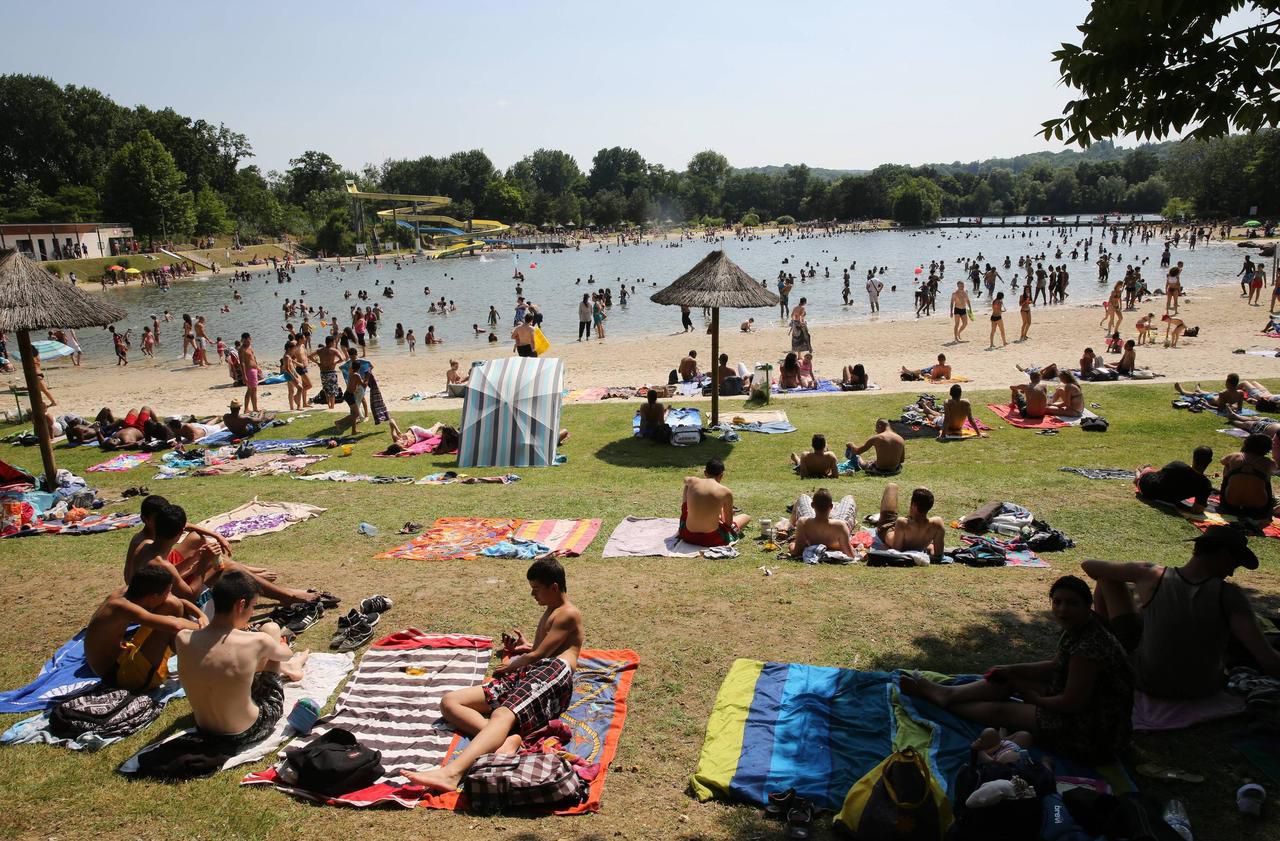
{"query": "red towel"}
{"type": "Point", "coordinates": [1009, 414]}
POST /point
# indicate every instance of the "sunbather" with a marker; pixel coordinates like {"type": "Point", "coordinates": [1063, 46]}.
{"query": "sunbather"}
{"type": "Point", "coordinates": [1068, 399]}
{"type": "Point", "coordinates": [242, 425]}
{"type": "Point", "coordinates": [818, 463]}
{"type": "Point", "coordinates": [789, 373]}
{"type": "Point", "coordinates": [818, 521]}
{"type": "Point", "coordinates": [138, 661]}
{"type": "Point", "coordinates": [706, 510]}
{"type": "Point", "coordinates": [932, 373]}
{"type": "Point", "coordinates": [891, 451]}
{"type": "Point", "coordinates": [1032, 398]}
{"type": "Point", "coordinates": [1177, 482]}
{"type": "Point", "coordinates": [188, 432]}
{"type": "Point", "coordinates": [1046, 372]}
{"type": "Point", "coordinates": [653, 415]}
{"type": "Point", "coordinates": [688, 369]}
{"type": "Point", "coordinates": [234, 677]}
{"type": "Point", "coordinates": [1232, 396]}
{"type": "Point", "coordinates": [401, 441]}
{"type": "Point", "coordinates": [1177, 622]}
{"type": "Point", "coordinates": [916, 532]}
{"type": "Point", "coordinates": [854, 378]}
{"type": "Point", "coordinates": [1246, 480]}
{"type": "Point", "coordinates": [453, 377]}
{"type": "Point", "coordinates": [955, 412]}
{"type": "Point", "coordinates": [1261, 427]}
{"type": "Point", "coordinates": [124, 438]}
{"type": "Point", "coordinates": [1079, 704]}
{"type": "Point", "coordinates": [526, 693]}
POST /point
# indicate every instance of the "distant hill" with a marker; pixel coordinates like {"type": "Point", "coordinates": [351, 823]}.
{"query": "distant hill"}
{"type": "Point", "coordinates": [816, 171]}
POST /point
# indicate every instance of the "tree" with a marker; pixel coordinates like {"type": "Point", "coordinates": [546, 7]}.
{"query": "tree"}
{"type": "Point", "coordinates": [210, 213]}
{"type": "Point", "coordinates": [1151, 69]}
{"type": "Point", "coordinates": [505, 200]}
{"type": "Point", "coordinates": [618, 169]}
{"type": "Point", "coordinates": [334, 235]}
{"type": "Point", "coordinates": [549, 171]}
{"type": "Point", "coordinates": [916, 201]}
{"type": "Point", "coordinates": [145, 188]}
{"type": "Point", "coordinates": [310, 173]}
{"type": "Point", "coordinates": [704, 181]}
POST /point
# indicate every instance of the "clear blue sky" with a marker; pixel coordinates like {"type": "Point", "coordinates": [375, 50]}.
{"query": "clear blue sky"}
{"type": "Point", "coordinates": [842, 85]}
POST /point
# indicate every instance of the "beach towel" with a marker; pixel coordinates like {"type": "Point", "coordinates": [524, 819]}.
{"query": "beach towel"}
{"type": "Point", "coordinates": [455, 538]}
{"type": "Point", "coordinates": [392, 705]}
{"type": "Point", "coordinates": [1099, 472]}
{"type": "Point", "coordinates": [92, 524]}
{"type": "Point", "coordinates": [35, 730]}
{"type": "Point", "coordinates": [1009, 414]}
{"type": "Point", "coordinates": [913, 430]}
{"type": "Point", "coordinates": [565, 538]}
{"type": "Point", "coordinates": [1156, 714]}
{"type": "Point", "coordinates": [820, 729]}
{"type": "Point", "coordinates": [424, 447]}
{"type": "Point", "coordinates": [595, 716]}
{"type": "Point", "coordinates": [321, 676]}
{"type": "Point", "coordinates": [1212, 517]}
{"type": "Point", "coordinates": [744, 418]}
{"type": "Point", "coordinates": [282, 465]}
{"type": "Point", "coordinates": [451, 477]}
{"type": "Point", "coordinates": [821, 387]}
{"type": "Point", "coordinates": [348, 476]}
{"type": "Point", "coordinates": [254, 518]}
{"type": "Point", "coordinates": [62, 675]}
{"type": "Point", "coordinates": [121, 463]}
{"type": "Point", "coordinates": [770, 428]}
{"type": "Point", "coordinates": [638, 537]}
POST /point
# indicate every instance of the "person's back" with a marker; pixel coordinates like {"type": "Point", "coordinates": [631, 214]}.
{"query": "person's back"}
{"type": "Point", "coordinates": [705, 500]}
{"type": "Point", "coordinates": [820, 529]}
{"type": "Point", "coordinates": [1184, 637]}
{"type": "Point", "coordinates": [818, 465]}
{"type": "Point", "coordinates": [954, 413]}
{"type": "Point", "coordinates": [652, 415]}
{"type": "Point", "coordinates": [890, 449]}
{"type": "Point", "coordinates": [688, 368]}
{"type": "Point", "coordinates": [1246, 478]}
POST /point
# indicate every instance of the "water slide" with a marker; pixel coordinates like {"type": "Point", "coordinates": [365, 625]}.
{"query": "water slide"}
{"type": "Point", "coordinates": [443, 235]}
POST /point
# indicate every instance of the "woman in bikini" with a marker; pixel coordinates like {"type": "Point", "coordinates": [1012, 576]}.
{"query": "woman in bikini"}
{"type": "Point", "coordinates": [1068, 400]}
{"type": "Point", "coordinates": [997, 320]}
{"type": "Point", "coordinates": [1024, 305]}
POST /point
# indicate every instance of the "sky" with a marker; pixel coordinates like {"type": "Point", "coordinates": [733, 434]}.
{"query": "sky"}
{"type": "Point", "coordinates": [844, 85]}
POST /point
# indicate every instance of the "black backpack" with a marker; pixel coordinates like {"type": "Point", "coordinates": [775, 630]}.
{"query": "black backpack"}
{"type": "Point", "coordinates": [1008, 820]}
{"type": "Point", "coordinates": [103, 712]}
{"type": "Point", "coordinates": [333, 764]}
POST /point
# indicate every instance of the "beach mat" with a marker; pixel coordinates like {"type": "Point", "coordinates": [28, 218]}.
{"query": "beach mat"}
{"type": "Point", "coordinates": [641, 537]}
{"type": "Point", "coordinates": [121, 462]}
{"type": "Point", "coordinates": [1009, 414]}
{"type": "Point", "coordinates": [821, 387]}
{"type": "Point", "coordinates": [595, 716]}
{"type": "Point", "coordinates": [820, 729]}
{"type": "Point", "coordinates": [566, 538]}
{"type": "Point", "coordinates": [455, 538]}
{"type": "Point", "coordinates": [35, 730]}
{"type": "Point", "coordinates": [677, 418]}
{"type": "Point", "coordinates": [62, 675]}
{"type": "Point", "coordinates": [1210, 516]}
{"type": "Point", "coordinates": [255, 518]}
{"type": "Point", "coordinates": [92, 524]}
{"type": "Point", "coordinates": [1159, 714]}
{"type": "Point", "coordinates": [321, 676]}
{"type": "Point", "coordinates": [388, 709]}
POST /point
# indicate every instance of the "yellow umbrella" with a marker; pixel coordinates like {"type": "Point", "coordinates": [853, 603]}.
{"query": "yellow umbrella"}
{"type": "Point", "coordinates": [132, 271]}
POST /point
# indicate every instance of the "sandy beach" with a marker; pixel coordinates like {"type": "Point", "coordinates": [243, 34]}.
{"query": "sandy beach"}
{"type": "Point", "coordinates": [1058, 334]}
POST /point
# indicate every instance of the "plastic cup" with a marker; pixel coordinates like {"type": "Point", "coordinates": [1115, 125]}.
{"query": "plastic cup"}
{"type": "Point", "coordinates": [346, 449]}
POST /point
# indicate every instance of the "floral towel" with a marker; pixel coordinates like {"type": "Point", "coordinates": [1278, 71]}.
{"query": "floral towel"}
{"type": "Point", "coordinates": [254, 518]}
{"type": "Point", "coordinates": [121, 463]}
{"type": "Point", "coordinates": [455, 538]}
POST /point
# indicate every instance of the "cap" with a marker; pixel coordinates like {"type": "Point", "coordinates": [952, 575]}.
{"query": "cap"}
{"type": "Point", "coordinates": [1228, 539]}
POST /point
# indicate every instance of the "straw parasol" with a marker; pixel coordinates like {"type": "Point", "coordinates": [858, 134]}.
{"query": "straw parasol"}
{"type": "Point", "coordinates": [33, 299]}
{"type": "Point", "coordinates": [716, 282]}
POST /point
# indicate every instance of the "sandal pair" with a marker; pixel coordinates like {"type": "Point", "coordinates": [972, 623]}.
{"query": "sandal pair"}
{"type": "Point", "coordinates": [798, 813]}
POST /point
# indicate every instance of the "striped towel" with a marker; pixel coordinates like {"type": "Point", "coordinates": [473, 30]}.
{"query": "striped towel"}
{"type": "Point", "coordinates": [390, 708]}
{"type": "Point", "coordinates": [568, 538]}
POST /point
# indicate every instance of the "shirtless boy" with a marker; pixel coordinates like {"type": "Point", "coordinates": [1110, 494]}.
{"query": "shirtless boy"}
{"type": "Point", "coordinates": [820, 463]}
{"type": "Point", "coordinates": [652, 415]}
{"type": "Point", "coordinates": [1034, 396]}
{"type": "Point", "coordinates": [916, 532]}
{"type": "Point", "coordinates": [954, 413]}
{"type": "Point", "coordinates": [706, 511]}
{"type": "Point", "coordinates": [933, 373]}
{"type": "Point", "coordinates": [234, 678]}
{"type": "Point", "coordinates": [891, 451]}
{"type": "Point", "coordinates": [688, 368]}
{"type": "Point", "coordinates": [250, 370]}
{"type": "Point", "coordinates": [818, 521]}
{"type": "Point", "coordinates": [526, 693]}
{"type": "Point", "coordinates": [138, 662]}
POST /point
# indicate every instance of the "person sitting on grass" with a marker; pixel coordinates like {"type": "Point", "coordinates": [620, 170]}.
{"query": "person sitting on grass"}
{"type": "Point", "coordinates": [706, 510]}
{"type": "Point", "coordinates": [1176, 482]}
{"type": "Point", "coordinates": [1177, 622]}
{"type": "Point", "coordinates": [688, 369]}
{"type": "Point", "coordinates": [1246, 481]}
{"type": "Point", "coordinates": [138, 662]}
{"type": "Point", "coordinates": [820, 463]}
{"type": "Point", "coordinates": [1032, 398]}
{"type": "Point", "coordinates": [955, 412]}
{"type": "Point", "coordinates": [818, 521]}
{"type": "Point", "coordinates": [933, 373]}
{"type": "Point", "coordinates": [1068, 398]}
{"type": "Point", "coordinates": [242, 426]}
{"type": "Point", "coordinates": [916, 532]}
{"type": "Point", "coordinates": [527, 693]}
{"type": "Point", "coordinates": [653, 416]}
{"type": "Point", "coordinates": [234, 677]}
{"type": "Point", "coordinates": [1078, 704]}
{"type": "Point", "coordinates": [891, 451]}
{"type": "Point", "coordinates": [1231, 397]}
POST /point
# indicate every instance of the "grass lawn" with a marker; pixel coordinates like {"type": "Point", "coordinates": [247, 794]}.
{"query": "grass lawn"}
{"type": "Point", "coordinates": [688, 619]}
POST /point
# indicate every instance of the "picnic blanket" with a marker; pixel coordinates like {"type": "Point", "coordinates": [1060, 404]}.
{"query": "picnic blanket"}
{"type": "Point", "coordinates": [35, 730]}
{"type": "Point", "coordinates": [455, 538]}
{"type": "Point", "coordinates": [92, 524]}
{"type": "Point", "coordinates": [320, 678]}
{"type": "Point", "coordinates": [62, 675]}
{"type": "Point", "coordinates": [1156, 714]}
{"type": "Point", "coordinates": [1009, 414]}
{"type": "Point", "coordinates": [596, 715]}
{"type": "Point", "coordinates": [820, 729]}
{"type": "Point", "coordinates": [121, 462]}
{"type": "Point", "coordinates": [254, 518]}
{"type": "Point", "coordinates": [392, 705]}
{"type": "Point", "coordinates": [565, 538]}
{"type": "Point", "coordinates": [638, 537]}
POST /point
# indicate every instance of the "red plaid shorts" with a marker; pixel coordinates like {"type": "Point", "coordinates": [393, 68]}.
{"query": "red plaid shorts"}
{"type": "Point", "coordinates": [537, 694]}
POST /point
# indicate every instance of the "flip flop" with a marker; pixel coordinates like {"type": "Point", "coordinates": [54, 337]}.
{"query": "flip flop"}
{"type": "Point", "coordinates": [1161, 772]}
{"type": "Point", "coordinates": [1249, 799]}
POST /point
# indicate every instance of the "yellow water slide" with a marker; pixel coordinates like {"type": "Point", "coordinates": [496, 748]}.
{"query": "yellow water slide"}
{"type": "Point", "coordinates": [452, 233]}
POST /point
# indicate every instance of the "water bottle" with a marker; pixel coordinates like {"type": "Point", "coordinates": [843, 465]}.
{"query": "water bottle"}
{"type": "Point", "coordinates": [1175, 815]}
{"type": "Point", "coordinates": [367, 530]}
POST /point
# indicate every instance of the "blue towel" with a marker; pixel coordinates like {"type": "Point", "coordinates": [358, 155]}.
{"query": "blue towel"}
{"type": "Point", "coordinates": [64, 674]}
{"type": "Point", "coordinates": [676, 419]}
{"type": "Point", "coordinates": [274, 379]}
{"type": "Point", "coordinates": [824, 387]}
{"type": "Point", "coordinates": [770, 428]}
{"type": "Point", "coordinates": [35, 730]}
{"type": "Point", "coordinates": [525, 550]}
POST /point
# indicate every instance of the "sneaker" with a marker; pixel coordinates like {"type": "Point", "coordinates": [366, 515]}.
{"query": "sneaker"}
{"type": "Point", "coordinates": [355, 636]}
{"type": "Point", "coordinates": [350, 619]}
{"type": "Point", "coordinates": [375, 604]}
{"type": "Point", "coordinates": [371, 619]}
{"type": "Point", "coordinates": [306, 617]}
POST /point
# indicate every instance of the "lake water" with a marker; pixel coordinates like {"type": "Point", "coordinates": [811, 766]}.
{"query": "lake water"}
{"type": "Point", "coordinates": [475, 283]}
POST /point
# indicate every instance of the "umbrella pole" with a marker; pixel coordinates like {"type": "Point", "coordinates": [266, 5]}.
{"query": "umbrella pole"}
{"type": "Point", "coordinates": [37, 409]}
{"type": "Point", "coordinates": [715, 366]}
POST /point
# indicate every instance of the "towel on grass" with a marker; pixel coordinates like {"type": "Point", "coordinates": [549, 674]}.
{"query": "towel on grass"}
{"type": "Point", "coordinates": [452, 477]}
{"type": "Point", "coordinates": [424, 447]}
{"type": "Point", "coordinates": [821, 387]}
{"type": "Point", "coordinates": [677, 418]}
{"type": "Point", "coordinates": [770, 428]}
{"type": "Point", "coordinates": [392, 705]}
{"type": "Point", "coordinates": [254, 518]}
{"type": "Point", "coordinates": [455, 538]}
{"type": "Point", "coordinates": [1099, 472]}
{"type": "Point", "coordinates": [566, 538]}
{"type": "Point", "coordinates": [35, 730]}
{"type": "Point", "coordinates": [64, 674]}
{"type": "Point", "coordinates": [820, 729]}
{"type": "Point", "coordinates": [92, 524]}
{"type": "Point", "coordinates": [348, 476]}
{"type": "Point", "coordinates": [638, 537]}
{"type": "Point", "coordinates": [1212, 517]}
{"type": "Point", "coordinates": [1155, 714]}
{"type": "Point", "coordinates": [120, 463]}
{"type": "Point", "coordinates": [764, 416]}
{"type": "Point", "coordinates": [321, 676]}
{"type": "Point", "coordinates": [1009, 414]}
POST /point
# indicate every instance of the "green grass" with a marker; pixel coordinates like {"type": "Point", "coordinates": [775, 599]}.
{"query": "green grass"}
{"type": "Point", "coordinates": [688, 619]}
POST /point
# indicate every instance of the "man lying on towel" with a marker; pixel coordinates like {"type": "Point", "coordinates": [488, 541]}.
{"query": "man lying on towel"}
{"type": "Point", "coordinates": [526, 694]}
{"type": "Point", "coordinates": [138, 662]}
{"type": "Point", "coordinates": [235, 677]}
{"type": "Point", "coordinates": [706, 512]}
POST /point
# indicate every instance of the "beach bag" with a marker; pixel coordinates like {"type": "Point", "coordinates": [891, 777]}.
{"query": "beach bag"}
{"type": "Point", "coordinates": [898, 800]}
{"type": "Point", "coordinates": [500, 782]}
{"type": "Point", "coordinates": [686, 436]}
{"type": "Point", "coordinates": [732, 387]}
{"type": "Point", "coordinates": [103, 712]}
{"type": "Point", "coordinates": [1008, 820]}
{"type": "Point", "coordinates": [334, 764]}
{"type": "Point", "coordinates": [540, 343]}
{"type": "Point", "coordinates": [1097, 423]}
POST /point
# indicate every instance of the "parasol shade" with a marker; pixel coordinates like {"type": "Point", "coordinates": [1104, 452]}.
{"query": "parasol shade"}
{"type": "Point", "coordinates": [716, 281]}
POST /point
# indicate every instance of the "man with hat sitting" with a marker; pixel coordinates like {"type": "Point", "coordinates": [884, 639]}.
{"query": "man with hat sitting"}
{"type": "Point", "coordinates": [1176, 622]}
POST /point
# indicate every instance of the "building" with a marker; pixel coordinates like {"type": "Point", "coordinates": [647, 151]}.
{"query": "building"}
{"type": "Point", "coordinates": [67, 240]}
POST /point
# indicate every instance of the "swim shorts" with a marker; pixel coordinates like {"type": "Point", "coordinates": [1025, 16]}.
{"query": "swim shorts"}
{"type": "Point", "coordinates": [251, 377]}
{"type": "Point", "coordinates": [133, 671]}
{"type": "Point", "coordinates": [959, 311]}
{"type": "Point", "coordinates": [267, 693]}
{"type": "Point", "coordinates": [722, 536]}
{"type": "Point", "coordinates": [330, 384]}
{"type": "Point", "coordinates": [537, 694]}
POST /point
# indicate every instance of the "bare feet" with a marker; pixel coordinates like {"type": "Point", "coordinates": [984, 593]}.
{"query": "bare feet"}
{"type": "Point", "coordinates": [923, 688]}
{"type": "Point", "coordinates": [437, 780]}
{"type": "Point", "coordinates": [291, 670]}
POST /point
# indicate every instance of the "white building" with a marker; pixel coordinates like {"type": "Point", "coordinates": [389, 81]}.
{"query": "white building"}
{"type": "Point", "coordinates": [67, 240]}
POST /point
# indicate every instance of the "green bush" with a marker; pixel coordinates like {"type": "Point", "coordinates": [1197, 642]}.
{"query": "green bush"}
{"type": "Point", "coordinates": [750, 220]}
{"type": "Point", "coordinates": [785, 220]}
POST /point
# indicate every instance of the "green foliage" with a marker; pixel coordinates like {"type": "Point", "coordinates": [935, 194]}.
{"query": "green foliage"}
{"type": "Point", "coordinates": [211, 214]}
{"type": "Point", "coordinates": [334, 236]}
{"type": "Point", "coordinates": [785, 220]}
{"type": "Point", "coordinates": [309, 173]}
{"type": "Point", "coordinates": [750, 220]}
{"type": "Point", "coordinates": [917, 201]}
{"type": "Point", "coordinates": [1178, 208]}
{"type": "Point", "coordinates": [1154, 69]}
{"type": "Point", "coordinates": [144, 186]}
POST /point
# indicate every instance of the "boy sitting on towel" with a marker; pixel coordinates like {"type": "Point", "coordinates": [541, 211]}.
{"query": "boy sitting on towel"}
{"type": "Point", "coordinates": [706, 512]}
{"type": "Point", "coordinates": [891, 451]}
{"type": "Point", "coordinates": [138, 662]}
{"type": "Point", "coordinates": [916, 532]}
{"type": "Point", "coordinates": [820, 463]}
{"type": "Point", "coordinates": [526, 694]}
{"type": "Point", "coordinates": [818, 521]}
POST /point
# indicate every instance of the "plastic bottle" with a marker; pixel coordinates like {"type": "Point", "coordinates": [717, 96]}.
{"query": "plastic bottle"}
{"type": "Point", "coordinates": [367, 530]}
{"type": "Point", "coordinates": [1175, 815]}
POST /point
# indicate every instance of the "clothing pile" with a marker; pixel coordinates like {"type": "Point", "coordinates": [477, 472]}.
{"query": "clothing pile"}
{"type": "Point", "coordinates": [1021, 529]}
{"type": "Point", "coordinates": [27, 511]}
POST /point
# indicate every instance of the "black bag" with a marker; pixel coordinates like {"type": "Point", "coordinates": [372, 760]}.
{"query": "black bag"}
{"type": "Point", "coordinates": [334, 764]}
{"type": "Point", "coordinates": [1267, 404]}
{"type": "Point", "coordinates": [104, 712]}
{"type": "Point", "coordinates": [1008, 820]}
{"type": "Point", "coordinates": [1097, 423]}
{"type": "Point", "coordinates": [245, 450]}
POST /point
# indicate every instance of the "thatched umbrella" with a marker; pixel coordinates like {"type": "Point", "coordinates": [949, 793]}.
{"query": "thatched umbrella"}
{"type": "Point", "coordinates": [33, 299]}
{"type": "Point", "coordinates": [716, 282]}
